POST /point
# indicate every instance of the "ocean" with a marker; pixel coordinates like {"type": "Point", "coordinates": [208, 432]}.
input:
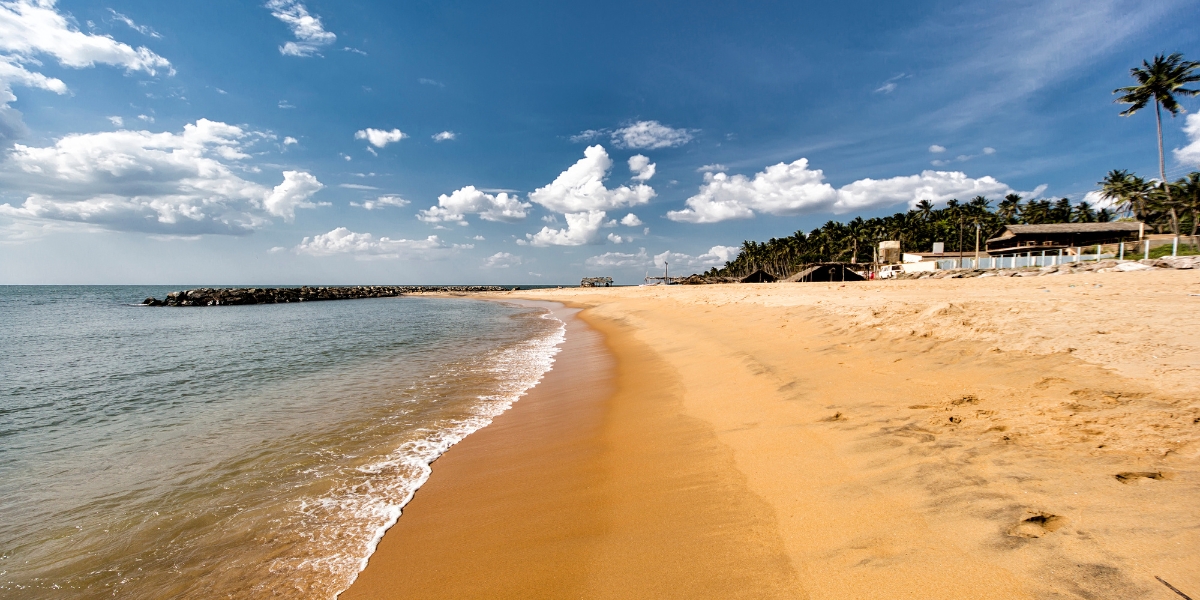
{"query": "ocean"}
{"type": "Point", "coordinates": [234, 451]}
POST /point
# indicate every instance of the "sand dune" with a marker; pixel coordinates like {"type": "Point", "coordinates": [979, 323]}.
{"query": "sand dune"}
{"type": "Point", "coordinates": [928, 439]}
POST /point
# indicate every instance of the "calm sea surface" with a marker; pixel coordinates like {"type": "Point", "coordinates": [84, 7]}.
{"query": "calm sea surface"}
{"type": "Point", "coordinates": [239, 451]}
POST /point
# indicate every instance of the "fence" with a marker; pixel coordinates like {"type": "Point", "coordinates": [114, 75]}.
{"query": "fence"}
{"type": "Point", "coordinates": [1019, 261]}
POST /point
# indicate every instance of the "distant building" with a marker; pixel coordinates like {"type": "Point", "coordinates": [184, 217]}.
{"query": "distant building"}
{"type": "Point", "coordinates": [1019, 239]}
{"type": "Point", "coordinates": [596, 282]}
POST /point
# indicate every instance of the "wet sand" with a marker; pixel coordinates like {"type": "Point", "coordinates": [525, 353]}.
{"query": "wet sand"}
{"type": "Point", "coordinates": [1015, 438]}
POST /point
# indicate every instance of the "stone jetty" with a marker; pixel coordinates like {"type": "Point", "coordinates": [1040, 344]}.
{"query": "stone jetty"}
{"type": "Point", "coordinates": [238, 296]}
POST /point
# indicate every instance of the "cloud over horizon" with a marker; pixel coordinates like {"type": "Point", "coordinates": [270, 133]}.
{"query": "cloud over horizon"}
{"type": "Point", "coordinates": [364, 246]}
{"type": "Point", "coordinates": [795, 189]}
{"type": "Point", "coordinates": [183, 183]}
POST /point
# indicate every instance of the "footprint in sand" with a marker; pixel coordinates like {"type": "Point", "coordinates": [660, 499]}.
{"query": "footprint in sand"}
{"type": "Point", "coordinates": [1129, 477]}
{"type": "Point", "coordinates": [1036, 524]}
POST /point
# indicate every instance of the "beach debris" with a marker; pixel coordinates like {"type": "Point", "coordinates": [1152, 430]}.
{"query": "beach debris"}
{"type": "Point", "coordinates": [1172, 588]}
{"type": "Point", "coordinates": [241, 296]}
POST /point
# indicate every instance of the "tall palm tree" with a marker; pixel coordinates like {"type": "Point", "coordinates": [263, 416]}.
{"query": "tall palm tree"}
{"type": "Point", "coordinates": [1007, 210]}
{"type": "Point", "coordinates": [1159, 81]}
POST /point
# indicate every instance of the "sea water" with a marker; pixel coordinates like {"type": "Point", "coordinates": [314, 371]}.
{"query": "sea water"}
{"type": "Point", "coordinates": [234, 451]}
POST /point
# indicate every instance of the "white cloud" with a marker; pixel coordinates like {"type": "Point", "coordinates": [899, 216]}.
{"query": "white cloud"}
{"type": "Point", "coordinates": [310, 33]}
{"type": "Point", "coordinates": [469, 200]}
{"type": "Point", "coordinates": [284, 104]}
{"type": "Point", "coordinates": [989, 150]}
{"type": "Point", "coordinates": [936, 149]}
{"type": "Point", "coordinates": [29, 28]}
{"type": "Point", "coordinates": [616, 239]}
{"type": "Point", "coordinates": [619, 260]}
{"type": "Point", "coordinates": [891, 84]}
{"type": "Point", "coordinates": [289, 140]}
{"type": "Point", "coordinates": [641, 167]}
{"type": "Point", "coordinates": [589, 135]}
{"type": "Point", "coordinates": [382, 202]}
{"type": "Point", "coordinates": [712, 168]}
{"type": "Point", "coordinates": [142, 29]}
{"type": "Point", "coordinates": [444, 136]}
{"type": "Point", "coordinates": [365, 246]}
{"type": "Point", "coordinates": [792, 189]}
{"type": "Point", "coordinates": [581, 187]}
{"type": "Point", "coordinates": [356, 186]}
{"type": "Point", "coordinates": [433, 82]}
{"type": "Point", "coordinates": [479, 238]}
{"type": "Point", "coordinates": [379, 137]}
{"type": "Point", "coordinates": [117, 121]}
{"type": "Point", "coordinates": [1190, 154]}
{"type": "Point", "coordinates": [146, 118]}
{"type": "Point", "coordinates": [293, 193]}
{"type": "Point", "coordinates": [650, 135]}
{"type": "Point", "coordinates": [501, 260]}
{"type": "Point", "coordinates": [582, 228]}
{"type": "Point", "coordinates": [631, 220]}
{"type": "Point", "coordinates": [173, 183]}
{"type": "Point", "coordinates": [715, 257]}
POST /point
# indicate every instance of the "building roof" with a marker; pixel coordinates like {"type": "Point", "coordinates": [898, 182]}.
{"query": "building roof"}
{"type": "Point", "coordinates": [1051, 228]}
{"type": "Point", "coordinates": [1076, 227]}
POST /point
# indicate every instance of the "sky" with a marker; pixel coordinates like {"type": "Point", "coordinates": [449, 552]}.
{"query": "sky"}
{"type": "Point", "coordinates": [288, 142]}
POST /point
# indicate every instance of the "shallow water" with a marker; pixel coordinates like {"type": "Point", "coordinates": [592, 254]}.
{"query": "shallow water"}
{"type": "Point", "coordinates": [242, 451]}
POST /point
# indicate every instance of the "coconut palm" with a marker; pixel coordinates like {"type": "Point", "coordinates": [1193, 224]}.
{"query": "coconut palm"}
{"type": "Point", "coordinates": [1160, 81]}
{"type": "Point", "coordinates": [1007, 209]}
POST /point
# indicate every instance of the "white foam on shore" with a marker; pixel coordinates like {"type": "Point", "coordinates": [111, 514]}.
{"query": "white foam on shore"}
{"type": "Point", "coordinates": [380, 499]}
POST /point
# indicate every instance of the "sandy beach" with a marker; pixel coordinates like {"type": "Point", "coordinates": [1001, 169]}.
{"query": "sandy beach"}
{"type": "Point", "coordinates": [983, 438]}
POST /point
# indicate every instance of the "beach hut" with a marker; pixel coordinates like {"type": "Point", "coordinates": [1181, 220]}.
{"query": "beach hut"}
{"type": "Point", "coordinates": [759, 276]}
{"type": "Point", "coordinates": [826, 272]}
{"type": "Point", "coordinates": [1020, 239]}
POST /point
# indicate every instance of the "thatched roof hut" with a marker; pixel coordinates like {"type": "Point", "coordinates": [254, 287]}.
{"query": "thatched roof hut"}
{"type": "Point", "coordinates": [826, 272]}
{"type": "Point", "coordinates": [759, 276]}
{"type": "Point", "coordinates": [1052, 236]}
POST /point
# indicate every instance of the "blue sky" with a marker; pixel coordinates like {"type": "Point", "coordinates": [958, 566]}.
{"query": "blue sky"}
{"type": "Point", "coordinates": [289, 142]}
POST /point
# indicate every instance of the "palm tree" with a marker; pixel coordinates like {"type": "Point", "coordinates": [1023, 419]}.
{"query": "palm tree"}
{"type": "Point", "coordinates": [926, 207]}
{"type": "Point", "coordinates": [1159, 81]}
{"type": "Point", "coordinates": [1007, 210]}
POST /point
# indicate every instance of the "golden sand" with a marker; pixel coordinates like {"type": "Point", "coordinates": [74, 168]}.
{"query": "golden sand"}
{"type": "Point", "coordinates": [983, 438]}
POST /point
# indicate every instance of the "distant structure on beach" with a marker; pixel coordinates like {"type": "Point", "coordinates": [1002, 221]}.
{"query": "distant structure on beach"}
{"type": "Point", "coordinates": [596, 282]}
{"type": "Point", "coordinates": [829, 272]}
{"type": "Point", "coordinates": [1056, 236]}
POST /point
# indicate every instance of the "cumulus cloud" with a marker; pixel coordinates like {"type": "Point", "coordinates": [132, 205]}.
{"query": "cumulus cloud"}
{"type": "Point", "coordinates": [619, 260]}
{"type": "Point", "coordinates": [293, 193]}
{"type": "Point", "coordinates": [365, 246]}
{"type": "Point", "coordinates": [1190, 154]}
{"type": "Point", "coordinates": [379, 137]}
{"type": "Point", "coordinates": [715, 257]}
{"type": "Point", "coordinates": [631, 220]}
{"type": "Point", "coordinates": [289, 140]}
{"type": "Point", "coordinates": [310, 33]}
{"type": "Point", "coordinates": [382, 202]}
{"type": "Point", "coordinates": [641, 167]}
{"type": "Point", "coordinates": [30, 28]}
{"type": "Point", "coordinates": [469, 200]}
{"type": "Point", "coordinates": [936, 149]}
{"type": "Point", "coordinates": [501, 260]}
{"type": "Point", "coordinates": [172, 183]}
{"type": "Point", "coordinates": [616, 239]}
{"type": "Point", "coordinates": [581, 187]}
{"type": "Point", "coordinates": [582, 228]}
{"type": "Point", "coordinates": [792, 189]}
{"type": "Point", "coordinates": [650, 135]}
{"type": "Point", "coordinates": [712, 168]}
{"type": "Point", "coordinates": [444, 136]}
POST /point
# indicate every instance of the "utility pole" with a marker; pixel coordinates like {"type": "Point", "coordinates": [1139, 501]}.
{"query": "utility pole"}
{"type": "Point", "coordinates": [960, 236]}
{"type": "Point", "coordinates": [977, 228]}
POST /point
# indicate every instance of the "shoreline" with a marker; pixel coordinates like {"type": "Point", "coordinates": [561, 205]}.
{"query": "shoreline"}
{"type": "Point", "coordinates": [989, 438]}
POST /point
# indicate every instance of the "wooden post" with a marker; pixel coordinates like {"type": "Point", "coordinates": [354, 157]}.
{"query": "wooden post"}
{"type": "Point", "coordinates": [1175, 247]}
{"type": "Point", "coordinates": [1122, 252]}
{"type": "Point", "coordinates": [1146, 253]}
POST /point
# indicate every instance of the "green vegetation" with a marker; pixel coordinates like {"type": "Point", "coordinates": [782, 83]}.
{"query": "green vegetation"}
{"type": "Point", "coordinates": [1172, 208]}
{"type": "Point", "coordinates": [1161, 251]}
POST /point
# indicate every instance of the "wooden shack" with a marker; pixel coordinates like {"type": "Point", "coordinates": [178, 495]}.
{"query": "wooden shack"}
{"type": "Point", "coordinates": [1019, 239]}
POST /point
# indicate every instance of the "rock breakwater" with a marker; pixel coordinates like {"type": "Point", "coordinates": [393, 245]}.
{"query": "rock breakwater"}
{"type": "Point", "coordinates": [241, 296]}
